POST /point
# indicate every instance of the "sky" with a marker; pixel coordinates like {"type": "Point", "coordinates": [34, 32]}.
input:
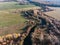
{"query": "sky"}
{"type": "Point", "coordinates": [50, 0]}
{"type": "Point", "coordinates": [46, 0]}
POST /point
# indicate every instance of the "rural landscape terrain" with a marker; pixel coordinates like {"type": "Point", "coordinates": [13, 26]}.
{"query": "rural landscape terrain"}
{"type": "Point", "coordinates": [10, 16]}
{"type": "Point", "coordinates": [25, 22]}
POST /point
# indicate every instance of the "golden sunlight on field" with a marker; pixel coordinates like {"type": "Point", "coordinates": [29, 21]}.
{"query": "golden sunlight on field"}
{"type": "Point", "coordinates": [55, 13]}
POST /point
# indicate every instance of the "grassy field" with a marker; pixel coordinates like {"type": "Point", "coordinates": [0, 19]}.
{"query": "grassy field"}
{"type": "Point", "coordinates": [13, 5]}
{"type": "Point", "coordinates": [55, 13]}
{"type": "Point", "coordinates": [11, 22]}
{"type": "Point", "coordinates": [7, 19]}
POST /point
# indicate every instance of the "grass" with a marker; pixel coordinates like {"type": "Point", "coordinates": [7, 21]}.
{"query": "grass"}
{"type": "Point", "coordinates": [7, 19]}
{"type": "Point", "coordinates": [13, 5]}
{"type": "Point", "coordinates": [12, 22]}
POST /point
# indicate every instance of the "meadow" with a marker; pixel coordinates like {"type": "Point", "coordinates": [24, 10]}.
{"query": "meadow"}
{"type": "Point", "coordinates": [11, 22]}
{"type": "Point", "coordinates": [13, 5]}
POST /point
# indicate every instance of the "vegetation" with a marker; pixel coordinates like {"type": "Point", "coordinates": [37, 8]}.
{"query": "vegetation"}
{"type": "Point", "coordinates": [7, 19]}
{"type": "Point", "coordinates": [40, 29]}
{"type": "Point", "coordinates": [10, 20]}
{"type": "Point", "coordinates": [13, 5]}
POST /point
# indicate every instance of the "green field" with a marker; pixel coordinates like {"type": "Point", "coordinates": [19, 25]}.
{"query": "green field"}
{"type": "Point", "coordinates": [13, 5]}
{"type": "Point", "coordinates": [9, 20]}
